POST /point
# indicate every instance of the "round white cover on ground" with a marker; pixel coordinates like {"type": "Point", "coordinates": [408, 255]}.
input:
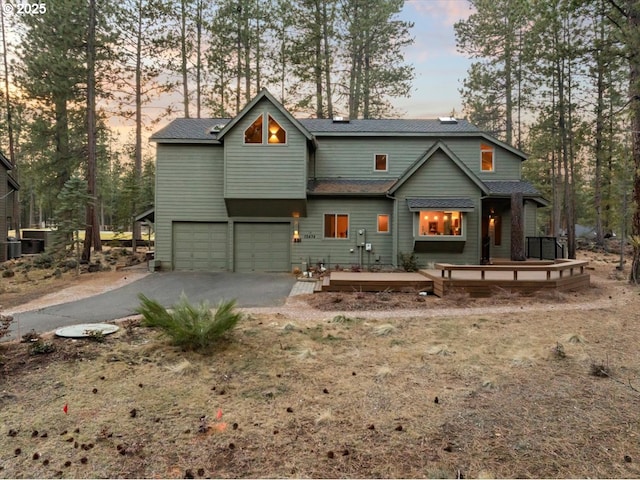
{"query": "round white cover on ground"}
{"type": "Point", "coordinates": [85, 329]}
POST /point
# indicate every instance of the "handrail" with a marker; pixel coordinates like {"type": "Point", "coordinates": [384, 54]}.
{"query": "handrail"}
{"type": "Point", "coordinates": [560, 266]}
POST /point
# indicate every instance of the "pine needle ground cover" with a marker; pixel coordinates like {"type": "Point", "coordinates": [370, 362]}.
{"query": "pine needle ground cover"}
{"type": "Point", "coordinates": [480, 396]}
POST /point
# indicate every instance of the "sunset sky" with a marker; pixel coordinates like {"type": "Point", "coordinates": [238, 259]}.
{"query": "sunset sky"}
{"type": "Point", "coordinates": [439, 68]}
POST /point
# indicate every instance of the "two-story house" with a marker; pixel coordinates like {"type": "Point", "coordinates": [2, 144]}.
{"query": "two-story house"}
{"type": "Point", "coordinates": [265, 191]}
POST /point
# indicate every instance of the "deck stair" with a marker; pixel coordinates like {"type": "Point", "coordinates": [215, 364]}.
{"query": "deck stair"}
{"type": "Point", "coordinates": [376, 282]}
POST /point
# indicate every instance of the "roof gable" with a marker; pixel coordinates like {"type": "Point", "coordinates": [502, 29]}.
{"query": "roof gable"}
{"type": "Point", "coordinates": [438, 146]}
{"type": "Point", "coordinates": [5, 161]}
{"type": "Point", "coordinates": [264, 94]}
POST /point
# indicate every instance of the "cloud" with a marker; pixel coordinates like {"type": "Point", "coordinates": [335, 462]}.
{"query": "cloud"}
{"type": "Point", "coordinates": [443, 11]}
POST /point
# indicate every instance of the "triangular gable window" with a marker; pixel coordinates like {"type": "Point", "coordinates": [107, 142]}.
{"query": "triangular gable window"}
{"type": "Point", "coordinates": [253, 134]}
{"type": "Point", "coordinates": [277, 134]}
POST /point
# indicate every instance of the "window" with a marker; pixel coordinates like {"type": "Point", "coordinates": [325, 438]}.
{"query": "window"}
{"type": "Point", "coordinates": [440, 223]}
{"type": "Point", "coordinates": [336, 225]}
{"type": "Point", "coordinates": [253, 134]}
{"type": "Point", "coordinates": [383, 223]}
{"type": "Point", "coordinates": [486, 155]}
{"type": "Point", "coordinates": [277, 134]}
{"type": "Point", "coordinates": [380, 162]}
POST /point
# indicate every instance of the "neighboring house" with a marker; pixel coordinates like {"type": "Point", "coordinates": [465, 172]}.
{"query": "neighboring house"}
{"type": "Point", "coordinates": [265, 191]}
{"type": "Point", "coordinates": [8, 187]}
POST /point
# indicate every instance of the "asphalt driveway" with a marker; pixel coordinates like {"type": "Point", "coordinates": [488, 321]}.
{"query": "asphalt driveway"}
{"type": "Point", "coordinates": [249, 290]}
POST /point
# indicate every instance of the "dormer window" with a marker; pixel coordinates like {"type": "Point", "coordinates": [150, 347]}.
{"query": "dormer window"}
{"type": "Point", "coordinates": [253, 134]}
{"type": "Point", "coordinates": [276, 133]}
{"type": "Point", "coordinates": [273, 134]}
{"type": "Point", "coordinates": [486, 158]}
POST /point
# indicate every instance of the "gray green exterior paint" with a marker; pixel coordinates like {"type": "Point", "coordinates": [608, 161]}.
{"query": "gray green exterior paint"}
{"type": "Point", "coordinates": [246, 201]}
{"type": "Point", "coordinates": [8, 187]}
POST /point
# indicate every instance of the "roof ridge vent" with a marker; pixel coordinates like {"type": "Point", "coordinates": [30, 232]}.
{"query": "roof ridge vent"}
{"type": "Point", "coordinates": [448, 120]}
{"type": "Point", "coordinates": [339, 119]}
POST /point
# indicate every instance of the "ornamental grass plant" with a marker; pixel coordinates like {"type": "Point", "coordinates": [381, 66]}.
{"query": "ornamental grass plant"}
{"type": "Point", "coordinates": [190, 327]}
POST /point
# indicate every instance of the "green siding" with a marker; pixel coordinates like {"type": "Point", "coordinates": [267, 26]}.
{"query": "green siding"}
{"type": "Point", "coordinates": [189, 187]}
{"type": "Point", "coordinates": [5, 212]}
{"type": "Point", "coordinates": [265, 171]}
{"type": "Point", "coordinates": [530, 219]}
{"type": "Point", "coordinates": [353, 157]}
{"type": "Point", "coordinates": [363, 214]}
{"type": "Point", "coordinates": [439, 177]}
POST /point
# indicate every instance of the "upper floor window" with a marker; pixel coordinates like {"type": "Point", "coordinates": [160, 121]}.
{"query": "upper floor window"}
{"type": "Point", "coordinates": [277, 134]}
{"type": "Point", "coordinates": [336, 225]}
{"type": "Point", "coordinates": [380, 163]}
{"type": "Point", "coordinates": [253, 134]}
{"type": "Point", "coordinates": [486, 157]}
{"type": "Point", "coordinates": [440, 223]}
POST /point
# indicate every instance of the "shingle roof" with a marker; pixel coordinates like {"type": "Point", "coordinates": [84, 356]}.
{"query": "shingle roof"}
{"type": "Point", "coordinates": [199, 129]}
{"type": "Point", "coordinates": [334, 186]}
{"type": "Point", "coordinates": [191, 129]}
{"type": "Point", "coordinates": [507, 187]}
{"type": "Point", "coordinates": [440, 203]}
{"type": "Point", "coordinates": [387, 126]}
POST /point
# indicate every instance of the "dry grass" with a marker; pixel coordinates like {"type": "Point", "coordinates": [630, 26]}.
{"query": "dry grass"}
{"type": "Point", "coordinates": [476, 395]}
{"type": "Point", "coordinates": [333, 399]}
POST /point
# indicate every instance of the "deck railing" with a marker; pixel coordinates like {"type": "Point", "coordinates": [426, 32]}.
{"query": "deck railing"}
{"type": "Point", "coordinates": [544, 248]}
{"type": "Point", "coordinates": [561, 266]}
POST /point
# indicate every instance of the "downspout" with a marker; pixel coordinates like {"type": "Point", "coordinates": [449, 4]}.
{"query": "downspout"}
{"type": "Point", "coordinates": [395, 229]}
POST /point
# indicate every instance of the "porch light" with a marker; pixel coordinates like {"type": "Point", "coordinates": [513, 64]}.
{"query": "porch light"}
{"type": "Point", "coordinates": [296, 228]}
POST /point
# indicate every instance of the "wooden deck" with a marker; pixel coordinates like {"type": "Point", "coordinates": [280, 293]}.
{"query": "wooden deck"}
{"type": "Point", "coordinates": [527, 278]}
{"type": "Point", "coordinates": [376, 281]}
{"type": "Point", "coordinates": [476, 280]}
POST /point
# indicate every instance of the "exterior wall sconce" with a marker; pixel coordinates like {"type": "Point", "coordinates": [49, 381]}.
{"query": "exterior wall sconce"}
{"type": "Point", "coordinates": [296, 230]}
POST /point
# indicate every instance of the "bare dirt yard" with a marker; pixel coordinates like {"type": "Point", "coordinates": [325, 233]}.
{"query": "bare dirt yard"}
{"type": "Point", "coordinates": [365, 386]}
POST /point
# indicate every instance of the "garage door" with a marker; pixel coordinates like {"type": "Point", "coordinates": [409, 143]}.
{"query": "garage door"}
{"type": "Point", "coordinates": [262, 247]}
{"type": "Point", "coordinates": [199, 246]}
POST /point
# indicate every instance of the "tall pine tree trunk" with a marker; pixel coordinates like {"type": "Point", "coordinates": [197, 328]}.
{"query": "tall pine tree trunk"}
{"type": "Point", "coordinates": [183, 57]}
{"type": "Point", "coordinates": [633, 19]}
{"type": "Point", "coordinates": [12, 151]}
{"type": "Point", "coordinates": [327, 60]}
{"type": "Point", "coordinates": [137, 168]}
{"type": "Point", "coordinates": [92, 231]}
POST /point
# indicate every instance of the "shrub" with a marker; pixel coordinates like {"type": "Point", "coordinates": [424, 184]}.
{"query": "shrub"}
{"type": "Point", "coordinates": [409, 262]}
{"type": "Point", "coordinates": [41, 347]}
{"type": "Point", "coordinates": [44, 261]}
{"type": "Point", "coordinates": [188, 326]}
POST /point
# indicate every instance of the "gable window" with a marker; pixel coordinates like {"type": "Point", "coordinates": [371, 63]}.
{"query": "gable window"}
{"type": "Point", "coordinates": [276, 133]}
{"type": "Point", "coordinates": [253, 134]}
{"type": "Point", "coordinates": [383, 223]}
{"type": "Point", "coordinates": [336, 225]}
{"type": "Point", "coordinates": [440, 223]}
{"type": "Point", "coordinates": [486, 157]}
{"type": "Point", "coordinates": [380, 162]}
